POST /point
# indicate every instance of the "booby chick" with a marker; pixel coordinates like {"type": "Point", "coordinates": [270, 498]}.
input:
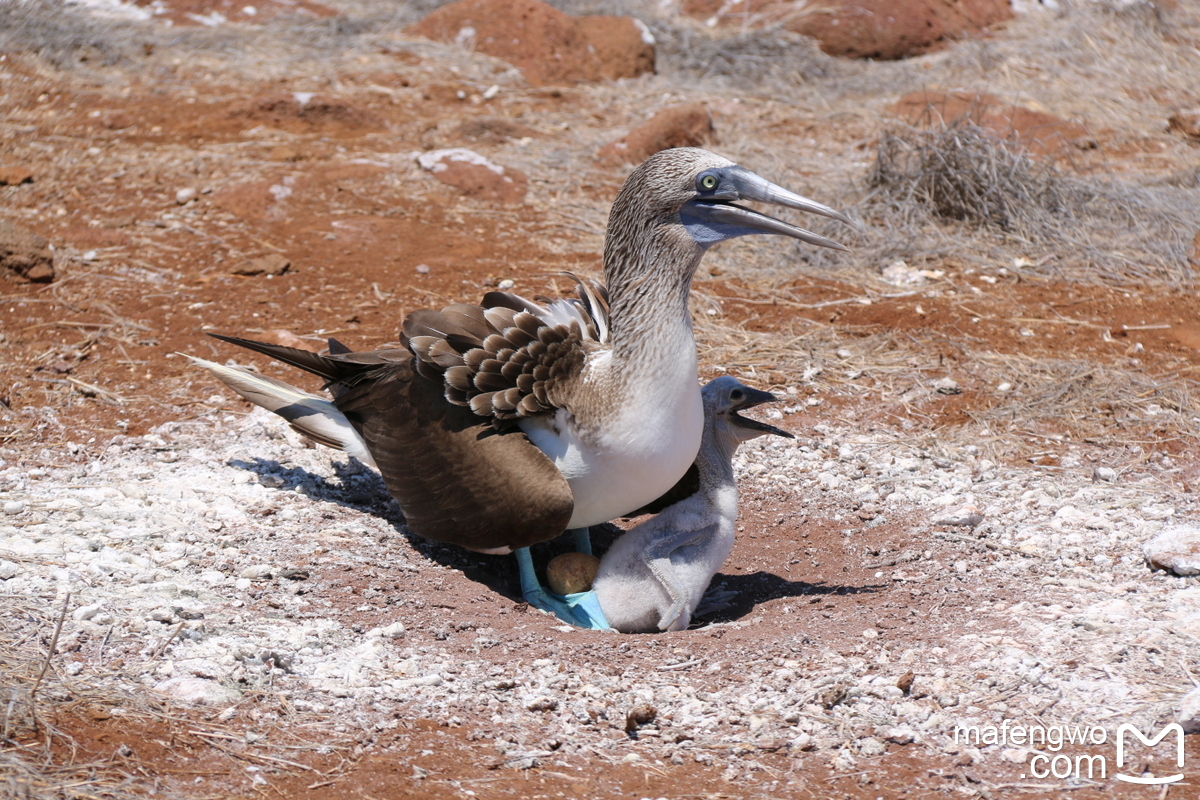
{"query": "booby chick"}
{"type": "Point", "coordinates": [501, 425]}
{"type": "Point", "coordinates": [653, 576]}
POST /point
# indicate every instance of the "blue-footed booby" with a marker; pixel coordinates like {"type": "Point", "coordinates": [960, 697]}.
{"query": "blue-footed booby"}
{"type": "Point", "coordinates": [653, 576]}
{"type": "Point", "coordinates": [501, 425]}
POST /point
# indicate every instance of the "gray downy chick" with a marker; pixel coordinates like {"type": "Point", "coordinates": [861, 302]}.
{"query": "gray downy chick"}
{"type": "Point", "coordinates": [652, 578]}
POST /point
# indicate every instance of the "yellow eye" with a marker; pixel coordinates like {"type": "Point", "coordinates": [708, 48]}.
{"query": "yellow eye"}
{"type": "Point", "coordinates": [708, 182]}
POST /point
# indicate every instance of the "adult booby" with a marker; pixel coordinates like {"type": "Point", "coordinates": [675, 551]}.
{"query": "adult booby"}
{"type": "Point", "coordinates": [653, 576]}
{"type": "Point", "coordinates": [501, 425]}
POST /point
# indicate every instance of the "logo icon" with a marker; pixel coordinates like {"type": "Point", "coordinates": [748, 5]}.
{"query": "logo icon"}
{"type": "Point", "coordinates": [1174, 728]}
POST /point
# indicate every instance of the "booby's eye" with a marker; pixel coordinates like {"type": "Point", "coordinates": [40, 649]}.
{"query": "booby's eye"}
{"type": "Point", "coordinates": [707, 182]}
{"type": "Point", "coordinates": [736, 395]}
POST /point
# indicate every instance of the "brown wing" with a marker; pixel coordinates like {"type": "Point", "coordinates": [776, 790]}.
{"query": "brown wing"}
{"type": "Point", "coordinates": [456, 478]}
{"type": "Point", "coordinates": [507, 359]}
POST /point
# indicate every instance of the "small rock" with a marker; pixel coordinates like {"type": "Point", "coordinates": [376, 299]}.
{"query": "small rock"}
{"type": "Point", "coordinates": [1189, 712]}
{"type": "Point", "coordinates": [870, 747]}
{"type": "Point", "coordinates": [1186, 122]}
{"type": "Point", "coordinates": [946, 386]}
{"type": "Point", "coordinates": [900, 734]}
{"type": "Point", "coordinates": [422, 269]}
{"type": "Point", "coordinates": [295, 574]}
{"type": "Point", "coordinates": [198, 691]}
{"type": "Point", "coordinates": [87, 612]}
{"type": "Point", "coordinates": [642, 714]}
{"type": "Point", "coordinates": [14, 507]}
{"type": "Point", "coordinates": [1014, 755]}
{"type": "Point", "coordinates": [9, 570]}
{"type": "Point", "coordinates": [162, 615]}
{"type": "Point", "coordinates": [25, 254]}
{"type": "Point", "coordinates": [256, 572]}
{"type": "Point", "coordinates": [542, 704]}
{"type": "Point", "coordinates": [843, 761]}
{"type": "Point", "coordinates": [270, 264]}
{"type": "Point", "coordinates": [1175, 549]}
{"type": "Point", "coordinates": [185, 196]}
{"type": "Point", "coordinates": [802, 742]}
{"type": "Point", "coordinates": [14, 176]}
{"type": "Point", "coordinates": [904, 682]}
{"type": "Point", "coordinates": [687, 125]}
{"type": "Point", "coordinates": [394, 631]}
{"type": "Point", "coordinates": [967, 516]}
{"type": "Point", "coordinates": [1106, 474]}
{"type": "Point", "coordinates": [899, 273]}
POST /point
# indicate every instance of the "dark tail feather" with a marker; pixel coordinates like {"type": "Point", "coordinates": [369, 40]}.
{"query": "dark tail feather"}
{"type": "Point", "coordinates": [311, 362]}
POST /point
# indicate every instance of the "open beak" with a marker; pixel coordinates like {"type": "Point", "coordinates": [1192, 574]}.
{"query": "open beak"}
{"type": "Point", "coordinates": [720, 212]}
{"type": "Point", "coordinates": [754, 397]}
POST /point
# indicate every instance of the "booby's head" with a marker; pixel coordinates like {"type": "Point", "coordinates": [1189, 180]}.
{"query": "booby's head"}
{"type": "Point", "coordinates": [723, 399]}
{"type": "Point", "coordinates": [693, 195]}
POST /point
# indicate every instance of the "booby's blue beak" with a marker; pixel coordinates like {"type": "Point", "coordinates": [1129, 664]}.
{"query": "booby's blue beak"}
{"type": "Point", "coordinates": [713, 216]}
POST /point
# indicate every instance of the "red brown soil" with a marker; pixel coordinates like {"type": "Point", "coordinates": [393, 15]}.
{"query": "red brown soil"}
{"type": "Point", "coordinates": [548, 46]}
{"type": "Point", "coordinates": [880, 29]}
{"type": "Point", "coordinates": [1037, 131]}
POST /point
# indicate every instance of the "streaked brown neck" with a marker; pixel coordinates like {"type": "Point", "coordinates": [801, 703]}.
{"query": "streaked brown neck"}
{"type": "Point", "coordinates": [649, 262]}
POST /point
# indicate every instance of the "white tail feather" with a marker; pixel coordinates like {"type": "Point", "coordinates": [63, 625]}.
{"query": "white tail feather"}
{"type": "Point", "coordinates": [310, 414]}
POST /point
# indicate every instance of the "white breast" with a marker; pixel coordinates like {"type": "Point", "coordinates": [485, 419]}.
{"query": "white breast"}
{"type": "Point", "coordinates": [636, 457]}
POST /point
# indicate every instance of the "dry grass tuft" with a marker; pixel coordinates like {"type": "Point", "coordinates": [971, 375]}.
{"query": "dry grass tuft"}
{"type": "Point", "coordinates": [968, 174]}
{"type": "Point", "coordinates": [1094, 401]}
{"type": "Point", "coordinates": [31, 692]}
{"type": "Point", "coordinates": [963, 193]}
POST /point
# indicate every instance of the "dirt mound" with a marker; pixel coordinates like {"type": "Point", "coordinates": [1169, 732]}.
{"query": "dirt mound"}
{"type": "Point", "coordinates": [305, 112]}
{"type": "Point", "coordinates": [688, 125]}
{"type": "Point", "coordinates": [882, 29]}
{"type": "Point", "coordinates": [1038, 131]}
{"type": "Point", "coordinates": [548, 46]}
{"type": "Point", "coordinates": [25, 254]}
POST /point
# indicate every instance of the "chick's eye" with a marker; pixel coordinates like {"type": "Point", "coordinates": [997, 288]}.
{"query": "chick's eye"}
{"type": "Point", "coordinates": [736, 394]}
{"type": "Point", "coordinates": [708, 182]}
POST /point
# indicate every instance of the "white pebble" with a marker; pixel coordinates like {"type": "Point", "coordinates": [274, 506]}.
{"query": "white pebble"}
{"type": "Point", "coordinates": [13, 507]}
{"type": "Point", "coordinates": [89, 611]}
{"type": "Point", "coordinates": [1189, 712]}
{"type": "Point", "coordinates": [1176, 549]}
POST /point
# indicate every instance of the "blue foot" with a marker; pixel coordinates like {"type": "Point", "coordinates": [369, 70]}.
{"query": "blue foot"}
{"type": "Point", "coordinates": [581, 610]}
{"type": "Point", "coordinates": [583, 540]}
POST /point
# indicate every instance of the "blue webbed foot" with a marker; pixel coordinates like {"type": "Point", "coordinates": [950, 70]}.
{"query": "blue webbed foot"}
{"type": "Point", "coordinates": [581, 610]}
